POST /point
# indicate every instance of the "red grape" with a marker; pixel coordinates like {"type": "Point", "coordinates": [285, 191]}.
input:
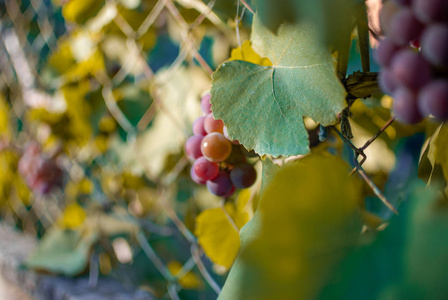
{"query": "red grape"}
{"type": "Point", "coordinates": [212, 125]}
{"type": "Point", "coordinates": [386, 15]}
{"type": "Point", "coordinates": [205, 169]}
{"type": "Point", "coordinates": [216, 147]}
{"type": "Point", "coordinates": [435, 45]}
{"type": "Point", "coordinates": [196, 178]}
{"type": "Point", "coordinates": [410, 69]}
{"type": "Point", "coordinates": [405, 27]}
{"type": "Point", "coordinates": [205, 103]}
{"type": "Point", "coordinates": [429, 11]}
{"type": "Point", "coordinates": [433, 99]}
{"type": "Point", "coordinates": [387, 81]}
{"type": "Point", "coordinates": [243, 175]}
{"type": "Point", "coordinates": [220, 185]}
{"type": "Point", "coordinates": [193, 146]}
{"type": "Point", "coordinates": [405, 106]}
{"type": "Point", "coordinates": [386, 51]}
{"type": "Point", "coordinates": [198, 126]}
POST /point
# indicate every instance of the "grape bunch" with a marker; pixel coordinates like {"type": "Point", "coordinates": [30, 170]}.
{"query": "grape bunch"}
{"type": "Point", "coordinates": [41, 173]}
{"type": "Point", "coordinates": [414, 58]}
{"type": "Point", "coordinates": [219, 163]}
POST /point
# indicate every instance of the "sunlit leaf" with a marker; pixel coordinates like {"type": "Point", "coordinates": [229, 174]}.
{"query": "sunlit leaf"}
{"type": "Point", "coordinates": [247, 53]}
{"type": "Point", "coordinates": [62, 251]}
{"type": "Point", "coordinates": [263, 106]}
{"type": "Point", "coordinates": [187, 281]}
{"type": "Point", "coordinates": [73, 216]}
{"type": "Point", "coordinates": [80, 11]}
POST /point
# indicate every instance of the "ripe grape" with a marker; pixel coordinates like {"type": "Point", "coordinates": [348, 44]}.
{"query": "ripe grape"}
{"type": "Point", "coordinates": [403, 2]}
{"type": "Point", "coordinates": [205, 103]}
{"type": "Point", "coordinates": [205, 169]}
{"type": "Point", "coordinates": [405, 27]}
{"type": "Point", "coordinates": [196, 178]}
{"type": "Point", "coordinates": [216, 147]}
{"type": "Point", "coordinates": [386, 15]}
{"type": "Point", "coordinates": [198, 126]}
{"type": "Point", "coordinates": [405, 106]}
{"type": "Point", "coordinates": [220, 185]}
{"type": "Point", "coordinates": [435, 45]}
{"type": "Point", "coordinates": [410, 69]}
{"type": "Point", "coordinates": [212, 125]}
{"type": "Point", "coordinates": [386, 51]}
{"type": "Point", "coordinates": [243, 175]}
{"type": "Point", "coordinates": [433, 99]}
{"type": "Point", "coordinates": [430, 10]}
{"type": "Point", "coordinates": [193, 146]}
{"type": "Point", "coordinates": [387, 81]}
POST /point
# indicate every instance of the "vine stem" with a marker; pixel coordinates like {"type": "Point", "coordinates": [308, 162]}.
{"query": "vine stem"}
{"type": "Point", "coordinates": [195, 253]}
{"type": "Point", "coordinates": [360, 170]}
{"type": "Point", "coordinates": [154, 258]}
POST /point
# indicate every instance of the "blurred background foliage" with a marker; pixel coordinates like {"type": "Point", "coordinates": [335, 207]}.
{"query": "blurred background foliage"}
{"type": "Point", "coordinates": [110, 89]}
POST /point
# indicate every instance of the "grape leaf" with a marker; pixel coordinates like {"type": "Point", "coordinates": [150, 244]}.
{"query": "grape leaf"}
{"type": "Point", "coordinates": [62, 251]}
{"type": "Point", "coordinates": [433, 164]}
{"type": "Point", "coordinates": [307, 219]}
{"type": "Point", "coordinates": [218, 228]}
{"type": "Point", "coordinates": [263, 106]}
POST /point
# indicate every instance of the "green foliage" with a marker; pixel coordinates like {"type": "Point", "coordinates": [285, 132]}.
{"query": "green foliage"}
{"type": "Point", "coordinates": [263, 106]}
{"type": "Point", "coordinates": [299, 232]}
{"type": "Point", "coordinates": [62, 251]}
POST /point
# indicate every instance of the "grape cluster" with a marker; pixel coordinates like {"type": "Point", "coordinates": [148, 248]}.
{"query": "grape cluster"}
{"type": "Point", "coordinates": [414, 58]}
{"type": "Point", "coordinates": [41, 173]}
{"type": "Point", "coordinates": [219, 163]}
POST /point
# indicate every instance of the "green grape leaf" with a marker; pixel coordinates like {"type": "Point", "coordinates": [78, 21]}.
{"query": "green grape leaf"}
{"type": "Point", "coordinates": [307, 220]}
{"type": "Point", "coordinates": [263, 106]}
{"type": "Point", "coordinates": [405, 261]}
{"type": "Point", "coordinates": [433, 166]}
{"type": "Point", "coordinates": [62, 251]}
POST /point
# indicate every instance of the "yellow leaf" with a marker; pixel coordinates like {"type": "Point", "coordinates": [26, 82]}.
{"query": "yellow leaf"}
{"type": "Point", "coordinates": [217, 229]}
{"type": "Point", "coordinates": [80, 11]}
{"type": "Point", "coordinates": [218, 236]}
{"type": "Point", "coordinates": [187, 281]}
{"type": "Point", "coordinates": [247, 53]}
{"type": "Point", "coordinates": [73, 217]}
{"type": "Point", "coordinates": [437, 153]}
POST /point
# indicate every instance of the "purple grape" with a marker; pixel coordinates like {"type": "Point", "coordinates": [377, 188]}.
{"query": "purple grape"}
{"type": "Point", "coordinates": [405, 27]}
{"type": "Point", "coordinates": [386, 51]}
{"type": "Point", "coordinates": [387, 81]}
{"type": "Point", "coordinates": [405, 106]}
{"type": "Point", "coordinates": [205, 169]}
{"type": "Point", "coordinates": [410, 69]}
{"type": "Point", "coordinates": [433, 99]}
{"type": "Point", "coordinates": [243, 175]}
{"type": "Point", "coordinates": [429, 11]}
{"type": "Point", "coordinates": [403, 2]}
{"type": "Point", "coordinates": [205, 104]}
{"type": "Point", "coordinates": [232, 191]}
{"type": "Point", "coordinates": [387, 13]}
{"type": "Point", "coordinates": [198, 126]}
{"type": "Point", "coordinates": [196, 178]}
{"type": "Point", "coordinates": [193, 146]}
{"type": "Point", "coordinates": [435, 45]}
{"type": "Point", "coordinates": [220, 185]}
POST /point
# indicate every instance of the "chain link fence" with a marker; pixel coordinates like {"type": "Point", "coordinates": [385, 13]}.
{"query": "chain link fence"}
{"type": "Point", "coordinates": [148, 62]}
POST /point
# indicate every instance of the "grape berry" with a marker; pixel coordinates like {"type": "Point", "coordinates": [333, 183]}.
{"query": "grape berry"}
{"type": "Point", "coordinates": [41, 173]}
{"type": "Point", "coordinates": [219, 163]}
{"type": "Point", "coordinates": [414, 58]}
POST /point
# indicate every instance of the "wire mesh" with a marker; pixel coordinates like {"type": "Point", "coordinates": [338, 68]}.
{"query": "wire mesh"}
{"type": "Point", "coordinates": [31, 31]}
